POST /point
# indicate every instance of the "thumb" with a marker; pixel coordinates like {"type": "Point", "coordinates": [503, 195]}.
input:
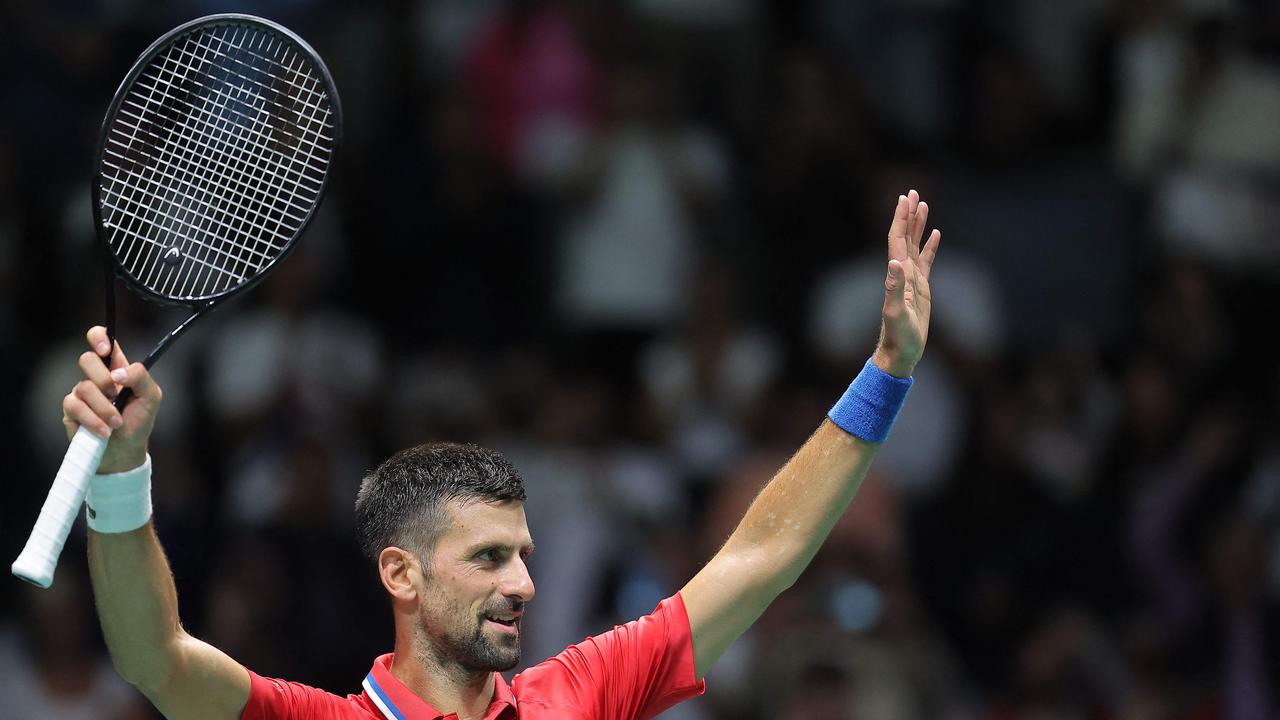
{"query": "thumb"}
{"type": "Point", "coordinates": [895, 284]}
{"type": "Point", "coordinates": [139, 380]}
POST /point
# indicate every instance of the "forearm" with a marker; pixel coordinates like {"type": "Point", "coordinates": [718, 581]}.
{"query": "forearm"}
{"type": "Point", "coordinates": [137, 604]}
{"type": "Point", "coordinates": [792, 516]}
{"type": "Point", "coordinates": [776, 539]}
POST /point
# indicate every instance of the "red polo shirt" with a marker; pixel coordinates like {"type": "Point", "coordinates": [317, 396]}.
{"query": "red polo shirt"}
{"type": "Point", "coordinates": [636, 670]}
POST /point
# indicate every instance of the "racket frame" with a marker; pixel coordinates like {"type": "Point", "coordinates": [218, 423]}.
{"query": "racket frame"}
{"type": "Point", "coordinates": [112, 267]}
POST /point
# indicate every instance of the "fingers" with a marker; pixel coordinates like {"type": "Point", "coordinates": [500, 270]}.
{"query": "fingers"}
{"type": "Point", "coordinates": [895, 284]}
{"type": "Point", "coordinates": [97, 337]}
{"type": "Point", "coordinates": [91, 395]}
{"type": "Point", "coordinates": [930, 252]}
{"type": "Point", "coordinates": [97, 373]}
{"type": "Point", "coordinates": [898, 230]}
{"type": "Point", "coordinates": [910, 219]}
{"type": "Point", "coordinates": [76, 412]}
{"type": "Point", "coordinates": [90, 402]}
{"type": "Point", "coordinates": [918, 220]}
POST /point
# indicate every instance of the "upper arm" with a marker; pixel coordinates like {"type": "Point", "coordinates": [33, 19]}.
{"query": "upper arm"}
{"type": "Point", "coordinates": [203, 683]}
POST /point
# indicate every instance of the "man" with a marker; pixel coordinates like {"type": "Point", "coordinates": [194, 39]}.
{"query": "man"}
{"type": "Point", "coordinates": [445, 526]}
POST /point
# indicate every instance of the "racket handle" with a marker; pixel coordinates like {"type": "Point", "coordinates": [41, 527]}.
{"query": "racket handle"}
{"type": "Point", "coordinates": [40, 556]}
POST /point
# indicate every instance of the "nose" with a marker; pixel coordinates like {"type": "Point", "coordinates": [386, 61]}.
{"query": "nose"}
{"type": "Point", "coordinates": [517, 584]}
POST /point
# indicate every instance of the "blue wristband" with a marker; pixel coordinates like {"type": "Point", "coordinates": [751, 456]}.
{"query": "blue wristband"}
{"type": "Point", "coordinates": [871, 404]}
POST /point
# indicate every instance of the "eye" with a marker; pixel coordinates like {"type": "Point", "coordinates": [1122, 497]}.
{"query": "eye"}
{"type": "Point", "coordinates": [488, 555]}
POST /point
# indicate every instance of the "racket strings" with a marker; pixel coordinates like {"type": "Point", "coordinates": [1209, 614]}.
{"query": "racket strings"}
{"type": "Point", "coordinates": [233, 103]}
{"type": "Point", "coordinates": [222, 166]}
{"type": "Point", "coordinates": [187, 205]}
{"type": "Point", "coordinates": [188, 185]}
{"type": "Point", "coordinates": [214, 160]}
{"type": "Point", "coordinates": [281, 76]}
{"type": "Point", "coordinates": [241, 192]}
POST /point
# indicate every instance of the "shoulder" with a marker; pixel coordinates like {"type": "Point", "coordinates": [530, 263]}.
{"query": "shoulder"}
{"type": "Point", "coordinates": [642, 665]}
{"type": "Point", "coordinates": [668, 622]}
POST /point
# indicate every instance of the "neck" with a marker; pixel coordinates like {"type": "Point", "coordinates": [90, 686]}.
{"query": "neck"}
{"type": "Point", "coordinates": [443, 683]}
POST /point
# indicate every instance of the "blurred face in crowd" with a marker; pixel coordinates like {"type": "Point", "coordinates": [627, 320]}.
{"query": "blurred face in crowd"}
{"type": "Point", "coordinates": [476, 585]}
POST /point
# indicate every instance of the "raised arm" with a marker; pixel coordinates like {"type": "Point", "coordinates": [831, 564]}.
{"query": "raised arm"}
{"type": "Point", "coordinates": [184, 678]}
{"type": "Point", "coordinates": [793, 514]}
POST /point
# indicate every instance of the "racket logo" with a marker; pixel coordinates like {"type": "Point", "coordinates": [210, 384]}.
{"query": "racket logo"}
{"type": "Point", "coordinates": [172, 255]}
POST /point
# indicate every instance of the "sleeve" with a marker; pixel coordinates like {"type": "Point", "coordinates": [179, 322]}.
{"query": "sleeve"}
{"type": "Point", "coordinates": [272, 699]}
{"type": "Point", "coordinates": [636, 670]}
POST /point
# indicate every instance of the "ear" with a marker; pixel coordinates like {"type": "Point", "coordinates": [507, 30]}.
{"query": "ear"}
{"type": "Point", "coordinates": [401, 573]}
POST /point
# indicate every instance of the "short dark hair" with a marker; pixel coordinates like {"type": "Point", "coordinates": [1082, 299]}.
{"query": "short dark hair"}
{"type": "Point", "coordinates": [401, 503]}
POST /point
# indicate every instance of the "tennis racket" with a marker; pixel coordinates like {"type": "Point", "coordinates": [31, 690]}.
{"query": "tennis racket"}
{"type": "Point", "coordinates": [215, 153]}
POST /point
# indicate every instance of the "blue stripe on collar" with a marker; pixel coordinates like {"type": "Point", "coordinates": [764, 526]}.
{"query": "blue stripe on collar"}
{"type": "Point", "coordinates": [381, 699]}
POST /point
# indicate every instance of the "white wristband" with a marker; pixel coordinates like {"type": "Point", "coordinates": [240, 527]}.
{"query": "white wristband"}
{"type": "Point", "coordinates": [120, 502]}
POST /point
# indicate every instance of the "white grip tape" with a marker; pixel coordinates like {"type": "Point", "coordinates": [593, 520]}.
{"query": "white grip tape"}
{"type": "Point", "coordinates": [40, 556]}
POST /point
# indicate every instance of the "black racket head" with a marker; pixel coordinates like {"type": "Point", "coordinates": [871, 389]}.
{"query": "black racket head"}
{"type": "Point", "coordinates": [215, 153]}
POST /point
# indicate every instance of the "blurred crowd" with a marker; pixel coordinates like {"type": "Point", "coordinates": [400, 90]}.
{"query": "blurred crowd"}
{"type": "Point", "coordinates": [638, 247]}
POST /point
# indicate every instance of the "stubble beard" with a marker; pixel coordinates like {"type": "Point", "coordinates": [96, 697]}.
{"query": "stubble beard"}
{"type": "Point", "coordinates": [478, 652]}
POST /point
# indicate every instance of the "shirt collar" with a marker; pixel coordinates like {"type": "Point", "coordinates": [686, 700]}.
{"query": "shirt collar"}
{"type": "Point", "coordinates": [394, 701]}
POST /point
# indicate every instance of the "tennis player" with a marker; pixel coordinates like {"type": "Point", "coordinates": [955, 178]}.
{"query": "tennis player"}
{"type": "Point", "coordinates": [446, 528]}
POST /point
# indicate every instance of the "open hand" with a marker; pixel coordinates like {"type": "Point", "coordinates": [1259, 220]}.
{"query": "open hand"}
{"type": "Point", "coordinates": [907, 302]}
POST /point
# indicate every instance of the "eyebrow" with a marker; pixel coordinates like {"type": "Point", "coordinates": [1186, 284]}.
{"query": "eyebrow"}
{"type": "Point", "coordinates": [481, 546]}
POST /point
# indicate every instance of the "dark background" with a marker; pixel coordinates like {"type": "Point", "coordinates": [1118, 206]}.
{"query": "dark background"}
{"type": "Point", "coordinates": [638, 247]}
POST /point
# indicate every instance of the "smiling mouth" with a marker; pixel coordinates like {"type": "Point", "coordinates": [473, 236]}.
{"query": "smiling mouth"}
{"type": "Point", "coordinates": [510, 621]}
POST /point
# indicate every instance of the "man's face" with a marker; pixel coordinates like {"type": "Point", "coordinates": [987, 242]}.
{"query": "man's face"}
{"type": "Point", "coordinates": [477, 585]}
